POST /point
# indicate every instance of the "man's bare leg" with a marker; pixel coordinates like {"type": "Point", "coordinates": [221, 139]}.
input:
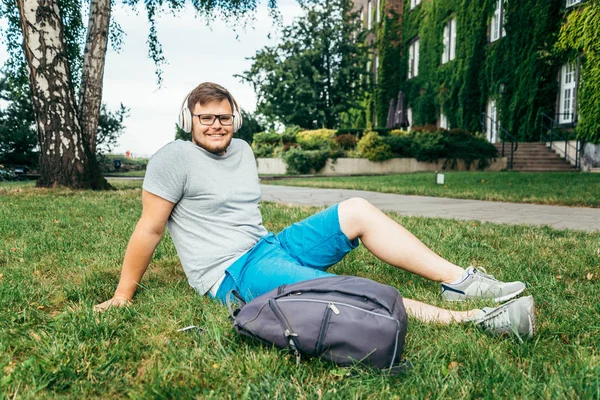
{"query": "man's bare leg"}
{"type": "Point", "coordinates": [391, 243]}
{"type": "Point", "coordinates": [428, 313]}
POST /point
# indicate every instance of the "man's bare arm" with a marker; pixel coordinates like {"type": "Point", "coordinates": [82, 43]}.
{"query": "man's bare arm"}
{"type": "Point", "coordinates": [143, 242]}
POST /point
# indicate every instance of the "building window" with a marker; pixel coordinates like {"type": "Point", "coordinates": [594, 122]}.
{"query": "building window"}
{"type": "Point", "coordinates": [413, 59]}
{"type": "Point", "coordinates": [573, 2]}
{"type": "Point", "coordinates": [369, 15]}
{"type": "Point", "coordinates": [444, 121]}
{"type": "Point", "coordinates": [497, 30]}
{"type": "Point", "coordinates": [376, 67]}
{"type": "Point", "coordinates": [492, 124]}
{"type": "Point", "coordinates": [568, 85]}
{"type": "Point", "coordinates": [362, 17]}
{"type": "Point", "coordinates": [409, 118]}
{"type": "Point", "coordinates": [414, 3]}
{"type": "Point", "coordinates": [378, 10]}
{"type": "Point", "coordinates": [449, 41]}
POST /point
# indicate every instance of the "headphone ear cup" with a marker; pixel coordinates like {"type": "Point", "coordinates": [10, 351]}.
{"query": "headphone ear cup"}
{"type": "Point", "coordinates": [237, 120]}
{"type": "Point", "coordinates": [186, 120]}
{"type": "Point", "coordinates": [185, 117]}
{"type": "Point", "coordinates": [237, 116]}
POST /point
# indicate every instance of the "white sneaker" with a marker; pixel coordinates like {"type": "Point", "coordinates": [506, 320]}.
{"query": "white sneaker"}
{"type": "Point", "coordinates": [516, 316]}
{"type": "Point", "coordinates": [476, 284]}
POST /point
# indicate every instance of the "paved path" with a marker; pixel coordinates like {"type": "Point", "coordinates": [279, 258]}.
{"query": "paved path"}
{"type": "Point", "coordinates": [587, 219]}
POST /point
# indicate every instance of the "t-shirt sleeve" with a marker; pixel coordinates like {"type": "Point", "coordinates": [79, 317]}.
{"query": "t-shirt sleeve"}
{"type": "Point", "coordinates": [166, 173]}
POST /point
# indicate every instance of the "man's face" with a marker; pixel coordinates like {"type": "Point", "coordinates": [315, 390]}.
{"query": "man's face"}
{"type": "Point", "coordinates": [216, 137]}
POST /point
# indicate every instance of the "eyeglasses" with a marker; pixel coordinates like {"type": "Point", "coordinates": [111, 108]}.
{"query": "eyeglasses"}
{"type": "Point", "coordinates": [209, 119]}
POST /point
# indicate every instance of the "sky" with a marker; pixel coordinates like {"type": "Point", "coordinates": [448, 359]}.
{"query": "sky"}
{"type": "Point", "coordinates": [195, 53]}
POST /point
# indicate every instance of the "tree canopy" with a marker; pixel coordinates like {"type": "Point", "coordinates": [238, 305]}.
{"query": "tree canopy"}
{"type": "Point", "coordinates": [316, 73]}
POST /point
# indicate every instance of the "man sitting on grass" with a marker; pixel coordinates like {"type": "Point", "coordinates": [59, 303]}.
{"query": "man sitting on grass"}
{"type": "Point", "coordinates": [207, 192]}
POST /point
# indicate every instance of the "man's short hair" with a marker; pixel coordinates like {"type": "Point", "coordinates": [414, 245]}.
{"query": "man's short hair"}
{"type": "Point", "coordinates": [208, 92]}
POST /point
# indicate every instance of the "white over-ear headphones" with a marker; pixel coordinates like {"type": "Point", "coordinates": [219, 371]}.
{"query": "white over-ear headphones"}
{"type": "Point", "coordinates": [185, 115]}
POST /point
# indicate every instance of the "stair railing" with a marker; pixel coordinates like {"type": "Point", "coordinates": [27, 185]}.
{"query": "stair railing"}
{"type": "Point", "coordinates": [503, 135]}
{"type": "Point", "coordinates": [548, 134]}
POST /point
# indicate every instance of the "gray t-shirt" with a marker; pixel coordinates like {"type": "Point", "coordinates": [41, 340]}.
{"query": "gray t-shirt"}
{"type": "Point", "coordinates": [216, 218]}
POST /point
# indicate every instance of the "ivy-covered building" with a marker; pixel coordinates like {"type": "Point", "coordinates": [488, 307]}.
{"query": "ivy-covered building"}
{"type": "Point", "coordinates": [467, 64]}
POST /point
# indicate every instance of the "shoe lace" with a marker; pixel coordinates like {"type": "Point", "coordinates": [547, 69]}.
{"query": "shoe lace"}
{"type": "Point", "coordinates": [483, 274]}
{"type": "Point", "coordinates": [499, 321]}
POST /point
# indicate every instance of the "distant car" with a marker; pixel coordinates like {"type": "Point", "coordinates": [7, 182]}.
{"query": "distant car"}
{"type": "Point", "coordinates": [21, 173]}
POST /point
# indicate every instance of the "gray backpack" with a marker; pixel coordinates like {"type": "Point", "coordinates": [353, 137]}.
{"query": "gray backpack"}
{"type": "Point", "coordinates": [344, 319]}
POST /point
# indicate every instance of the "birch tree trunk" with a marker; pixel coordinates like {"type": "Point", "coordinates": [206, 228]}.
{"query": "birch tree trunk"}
{"type": "Point", "coordinates": [90, 95]}
{"type": "Point", "coordinates": [64, 158]}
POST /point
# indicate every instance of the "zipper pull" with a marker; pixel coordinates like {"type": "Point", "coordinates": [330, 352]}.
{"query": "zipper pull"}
{"type": "Point", "coordinates": [293, 346]}
{"type": "Point", "coordinates": [297, 353]}
{"type": "Point", "coordinates": [334, 309]}
{"type": "Point", "coordinates": [287, 333]}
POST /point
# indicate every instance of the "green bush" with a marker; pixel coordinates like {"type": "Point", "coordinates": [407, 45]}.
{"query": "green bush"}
{"type": "Point", "coordinates": [401, 146]}
{"type": "Point", "coordinates": [264, 151]}
{"type": "Point", "coordinates": [398, 132]}
{"type": "Point", "coordinates": [352, 131]}
{"type": "Point", "coordinates": [264, 144]}
{"type": "Point", "coordinates": [373, 148]}
{"type": "Point", "coordinates": [318, 139]}
{"type": "Point", "coordinates": [266, 138]}
{"type": "Point", "coordinates": [462, 145]}
{"type": "Point", "coordinates": [346, 141]}
{"type": "Point", "coordinates": [304, 161]}
{"type": "Point", "coordinates": [429, 128]}
{"type": "Point", "coordinates": [289, 134]}
{"type": "Point", "coordinates": [7, 175]}
{"type": "Point", "coordinates": [427, 146]}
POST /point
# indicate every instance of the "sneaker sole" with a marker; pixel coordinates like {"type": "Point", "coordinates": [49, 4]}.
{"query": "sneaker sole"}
{"type": "Point", "coordinates": [497, 299]}
{"type": "Point", "coordinates": [508, 296]}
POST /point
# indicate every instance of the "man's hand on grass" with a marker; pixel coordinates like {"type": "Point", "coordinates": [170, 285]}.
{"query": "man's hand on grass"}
{"type": "Point", "coordinates": [116, 301]}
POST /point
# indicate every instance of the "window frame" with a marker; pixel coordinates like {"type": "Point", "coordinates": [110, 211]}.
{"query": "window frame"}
{"type": "Point", "coordinates": [571, 3]}
{"type": "Point", "coordinates": [376, 65]}
{"type": "Point", "coordinates": [497, 29]}
{"type": "Point", "coordinates": [449, 41]}
{"type": "Point", "coordinates": [492, 130]}
{"type": "Point", "coordinates": [413, 58]}
{"type": "Point", "coordinates": [443, 120]}
{"type": "Point", "coordinates": [567, 93]}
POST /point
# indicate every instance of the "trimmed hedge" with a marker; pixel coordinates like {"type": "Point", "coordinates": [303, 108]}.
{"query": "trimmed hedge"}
{"type": "Point", "coordinates": [308, 151]}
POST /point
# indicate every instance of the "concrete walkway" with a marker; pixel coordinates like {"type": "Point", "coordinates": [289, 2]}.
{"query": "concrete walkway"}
{"type": "Point", "coordinates": [579, 218]}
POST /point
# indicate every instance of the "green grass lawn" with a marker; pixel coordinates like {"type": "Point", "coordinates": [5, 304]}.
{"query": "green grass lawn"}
{"type": "Point", "coordinates": [61, 252]}
{"type": "Point", "coordinates": [564, 188]}
{"type": "Point", "coordinates": [140, 173]}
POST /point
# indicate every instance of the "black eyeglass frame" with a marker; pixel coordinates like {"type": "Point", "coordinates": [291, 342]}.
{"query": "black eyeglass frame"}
{"type": "Point", "coordinates": [215, 116]}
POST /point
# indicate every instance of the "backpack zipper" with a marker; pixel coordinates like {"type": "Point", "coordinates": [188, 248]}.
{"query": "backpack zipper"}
{"type": "Point", "coordinates": [331, 308]}
{"type": "Point", "coordinates": [281, 293]}
{"type": "Point", "coordinates": [339, 304]}
{"type": "Point", "coordinates": [287, 329]}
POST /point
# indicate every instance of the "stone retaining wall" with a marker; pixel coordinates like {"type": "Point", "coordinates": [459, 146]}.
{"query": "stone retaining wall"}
{"type": "Point", "coordinates": [590, 154]}
{"type": "Point", "coordinates": [362, 166]}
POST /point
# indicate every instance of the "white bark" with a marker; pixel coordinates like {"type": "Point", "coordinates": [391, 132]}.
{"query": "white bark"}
{"type": "Point", "coordinates": [62, 156]}
{"type": "Point", "coordinates": [90, 95]}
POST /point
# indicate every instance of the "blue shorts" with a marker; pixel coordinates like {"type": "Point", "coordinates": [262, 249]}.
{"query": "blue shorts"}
{"type": "Point", "coordinates": [300, 252]}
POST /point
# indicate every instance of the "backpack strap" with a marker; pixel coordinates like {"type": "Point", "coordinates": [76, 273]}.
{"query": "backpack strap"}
{"type": "Point", "coordinates": [234, 312]}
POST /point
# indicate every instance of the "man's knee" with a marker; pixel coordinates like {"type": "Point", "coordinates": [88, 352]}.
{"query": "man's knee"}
{"type": "Point", "coordinates": [355, 205]}
{"type": "Point", "coordinates": [352, 213]}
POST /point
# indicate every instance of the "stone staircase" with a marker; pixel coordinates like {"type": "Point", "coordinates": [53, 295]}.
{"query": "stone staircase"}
{"type": "Point", "coordinates": [535, 157]}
